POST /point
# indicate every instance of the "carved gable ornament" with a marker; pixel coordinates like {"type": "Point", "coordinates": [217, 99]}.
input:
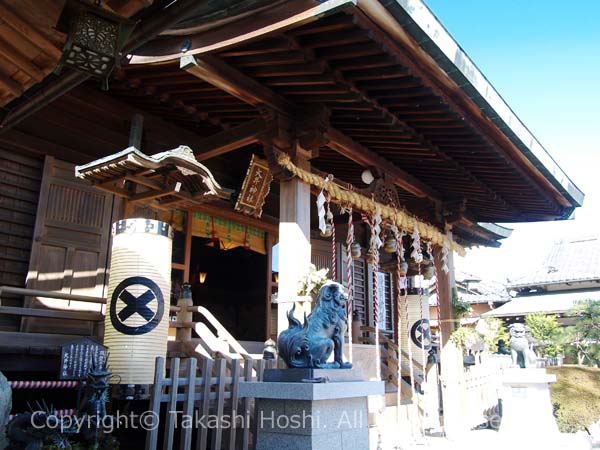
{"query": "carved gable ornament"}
{"type": "Point", "coordinates": [167, 180]}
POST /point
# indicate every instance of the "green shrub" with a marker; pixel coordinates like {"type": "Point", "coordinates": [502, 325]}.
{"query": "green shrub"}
{"type": "Point", "coordinates": [546, 330]}
{"type": "Point", "coordinates": [466, 338]}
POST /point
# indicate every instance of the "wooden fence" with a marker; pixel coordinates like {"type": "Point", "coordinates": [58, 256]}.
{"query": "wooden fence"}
{"type": "Point", "coordinates": [198, 404]}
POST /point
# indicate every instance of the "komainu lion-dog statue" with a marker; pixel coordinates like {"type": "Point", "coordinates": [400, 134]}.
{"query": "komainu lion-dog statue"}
{"type": "Point", "coordinates": [310, 345]}
{"type": "Point", "coordinates": [522, 355]}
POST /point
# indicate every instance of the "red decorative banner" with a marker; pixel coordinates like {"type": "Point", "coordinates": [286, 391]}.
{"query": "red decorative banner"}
{"type": "Point", "coordinates": [255, 188]}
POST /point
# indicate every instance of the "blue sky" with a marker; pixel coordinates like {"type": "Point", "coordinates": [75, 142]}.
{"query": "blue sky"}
{"type": "Point", "coordinates": [543, 57]}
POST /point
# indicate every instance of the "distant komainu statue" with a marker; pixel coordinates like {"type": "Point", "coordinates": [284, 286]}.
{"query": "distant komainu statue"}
{"type": "Point", "coordinates": [522, 355]}
{"type": "Point", "coordinates": [309, 345]}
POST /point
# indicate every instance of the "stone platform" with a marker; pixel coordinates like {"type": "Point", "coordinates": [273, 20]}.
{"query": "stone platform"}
{"type": "Point", "coordinates": [312, 375]}
{"type": "Point", "coordinates": [312, 416]}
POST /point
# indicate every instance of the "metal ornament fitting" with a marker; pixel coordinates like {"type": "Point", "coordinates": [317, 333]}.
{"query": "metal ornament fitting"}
{"type": "Point", "coordinates": [390, 245]}
{"type": "Point", "coordinates": [270, 349]}
{"type": "Point", "coordinates": [355, 250]}
{"type": "Point", "coordinates": [328, 230]}
{"type": "Point", "coordinates": [369, 256]}
{"type": "Point", "coordinates": [428, 272]}
{"type": "Point", "coordinates": [403, 268]}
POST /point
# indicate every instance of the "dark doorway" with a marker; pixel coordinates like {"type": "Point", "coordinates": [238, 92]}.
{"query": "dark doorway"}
{"type": "Point", "coordinates": [234, 289]}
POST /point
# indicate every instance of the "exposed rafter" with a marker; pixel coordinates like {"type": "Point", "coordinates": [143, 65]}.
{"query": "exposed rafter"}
{"type": "Point", "coordinates": [220, 74]}
{"type": "Point", "coordinates": [310, 57]}
{"type": "Point", "coordinates": [149, 89]}
{"type": "Point", "coordinates": [407, 61]}
{"type": "Point", "coordinates": [338, 141]}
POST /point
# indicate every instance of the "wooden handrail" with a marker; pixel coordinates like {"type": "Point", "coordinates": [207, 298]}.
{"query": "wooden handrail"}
{"type": "Point", "coordinates": [50, 294]}
{"type": "Point", "coordinates": [51, 313]}
{"type": "Point", "coordinates": [383, 339]}
{"type": "Point", "coordinates": [221, 330]}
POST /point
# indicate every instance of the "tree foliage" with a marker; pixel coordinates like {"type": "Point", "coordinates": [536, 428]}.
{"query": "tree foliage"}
{"type": "Point", "coordinates": [459, 307]}
{"type": "Point", "coordinates": [585, 333]}
{"type": "Point", "coordinates": [481, 337]}
{"type": "Point", "coordinates": [547, 331]}
{"type": "Point", "coordinates": [466, 338]}
{"type": "Point", "coordinates": [494, 331]}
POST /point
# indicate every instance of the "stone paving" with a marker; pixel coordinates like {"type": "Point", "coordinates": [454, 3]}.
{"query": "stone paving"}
{"type": "Point", "coordinates": [492, 440]}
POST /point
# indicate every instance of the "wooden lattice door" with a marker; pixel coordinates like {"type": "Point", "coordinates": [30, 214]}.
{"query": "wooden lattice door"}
{"type": "Point", "coordinates": [70, 251]}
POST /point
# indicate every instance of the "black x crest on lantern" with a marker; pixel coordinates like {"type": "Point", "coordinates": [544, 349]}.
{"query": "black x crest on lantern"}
{"type": "Point", "coordinates": [95, 38]}
{"type": "Point", "coordinates": [139, 299]}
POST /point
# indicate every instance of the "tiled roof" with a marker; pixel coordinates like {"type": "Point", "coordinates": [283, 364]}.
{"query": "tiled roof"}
{"type": "Point", "coordinates": [568, 261]}
{"type": "Point", "coordinates": [543, 303]}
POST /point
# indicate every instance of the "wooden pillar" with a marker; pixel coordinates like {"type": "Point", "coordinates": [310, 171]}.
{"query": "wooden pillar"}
{"type": "Point", "coordinates": [294, 240]}
{"type": "Point", "coordinates": [184, 316]}
{"type": "Point", "coordinates": [445, 285]}
{"type": "Point", "coordinates": [451, 376]}
{"type": "Point", "coordinates": [188, 246]}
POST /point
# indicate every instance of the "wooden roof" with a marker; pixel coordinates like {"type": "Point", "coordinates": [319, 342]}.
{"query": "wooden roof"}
{"type": "Point", "coordinates": [395, 92]}
{"type": "Point", "coordinates": [381, 96]}
{"type": "Point", "coordinates": [169, 180]}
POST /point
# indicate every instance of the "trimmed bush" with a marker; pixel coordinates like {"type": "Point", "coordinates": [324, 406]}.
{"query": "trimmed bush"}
{"type": "Point", "coordinates": [575, 397]}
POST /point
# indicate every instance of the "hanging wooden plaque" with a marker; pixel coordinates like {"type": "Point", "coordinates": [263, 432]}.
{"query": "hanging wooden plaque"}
{"type": "Point", "coordinates": [255, 188]}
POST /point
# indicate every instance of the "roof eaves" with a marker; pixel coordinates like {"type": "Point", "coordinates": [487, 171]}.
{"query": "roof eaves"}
{"type": "Point", "coordinates": [418, 20]}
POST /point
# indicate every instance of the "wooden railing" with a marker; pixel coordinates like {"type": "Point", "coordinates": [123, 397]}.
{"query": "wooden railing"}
{"type": "Point", "coordinates": [389, 357]}
{"type": "Point", "coordinates": [213, 341]}
{"type": "Point", "coordinates": [209, 343]}
{"type": "Point", "coordinates": [202, 390]}
{"type": "Point", "coordinates": [18, 340]}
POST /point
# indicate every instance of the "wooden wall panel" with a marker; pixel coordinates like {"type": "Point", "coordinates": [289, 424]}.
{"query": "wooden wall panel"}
{"type": "Point", "coordinates": [20, 178]}
{"type": "Point", "coordinates": [361, 290]}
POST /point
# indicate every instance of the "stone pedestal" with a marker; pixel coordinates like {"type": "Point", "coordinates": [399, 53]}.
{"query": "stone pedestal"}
{"type": "Point", "coordinates": [526, 405]}
{"type": "Point", "coordinates": [312, 416]}
{"type": "Point", "coordinates": [527, 417]}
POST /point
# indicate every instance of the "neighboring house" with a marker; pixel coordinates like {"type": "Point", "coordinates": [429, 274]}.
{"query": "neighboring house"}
{"type": "Point", "coordinates": [555, 303]}
{"type": "Point", "coordinates": [481, 294]}
{"type": "Point", "coordinates": [570, 273]}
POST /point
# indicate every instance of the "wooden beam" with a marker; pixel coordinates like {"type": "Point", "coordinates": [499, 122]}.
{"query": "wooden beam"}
{"type": "Point", "coordinates": [17, 342]}
{"type": "Point", "coordinates": [224, 210]}
{"type": "Point", "coordinates": [29, 33]}
{"type": "Point", "coordinates": [150, 195]}
{"type": "Point", "coordinates": [271, 20]}
{"type": "Point", "coordinates": [229, 140]}
{"type": "Point", "coordinates": [152, 184]}
{"type": "Point", "coordinates": [144, 31]}
{"type": "Point", "coordinates": [8, 83]}
{"type": "Point", "coordinates": [354, 151]}
{"type": "Point", "coordinates": [51, 313]}
{"type": "Point", "coordinates": [13, 55]}
{"type": "Point", "coordinates": [216, 72]}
